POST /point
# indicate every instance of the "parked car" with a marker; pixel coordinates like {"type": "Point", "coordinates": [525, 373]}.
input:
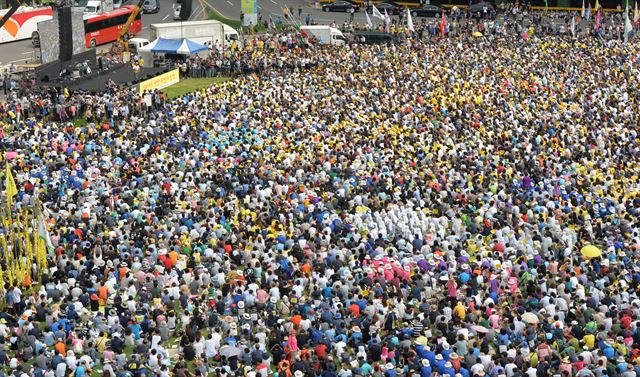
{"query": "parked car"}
{"type": "Point", "coordinates": [428, 10]}
{"type": "Point", "coordinates": [389, 7]}
{"type": "Point", "coordinates": [482, 9]}
{"type": "Point", "coordinates": [373, 37]}
{"type": "Point", "coordinates": [176, 12]}
{"type": "Point", "coordinates": [340, 6]}
{"type": "Point", "coordinates": [151, 6]}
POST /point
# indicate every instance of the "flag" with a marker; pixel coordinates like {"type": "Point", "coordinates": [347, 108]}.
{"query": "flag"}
{"type": "Point", "coordinates": [376, 13]}
{"type": "Point", "coordinates": [10, 186]}
{"type": "Point", "coordinates": [410, 22]}
{"type": "Point", "coordinates": [589, 11]}
{"type": "Point", "coordinates": [573, 26]}
{"type": "Point", "coordinates": [369, 23]}
{"type": "Point", "coordinates": [43, 233]}
{"type": "Point", "coordinates": [546, 5]}
{"type": "Point", "coordinates": [443, 25]}
{"type": "Point", "coordinates": [597, 5]}
{"type": "Point", "coordinates": [387, 20]}
{"type": "Point", "coordinates": [582, 13]}
{"type": "Point", "coordinates": [636, 15]}
{"type": "Point", "coordinates": [628, 27]}
{"type": "Point", "coordinates": [598, 20]}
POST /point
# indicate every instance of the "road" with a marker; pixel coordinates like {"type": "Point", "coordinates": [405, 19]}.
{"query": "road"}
{"type": "Point", "coordinates": [273, 8]}
{"type": "Point", "coordinates": [23, 51]}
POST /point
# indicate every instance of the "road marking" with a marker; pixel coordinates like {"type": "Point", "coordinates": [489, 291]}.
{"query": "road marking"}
{"type": "Point", "coordinates": [27, 53]}
{"type": "Point", "coordinates": [229, 2]}
{"type": "Point", "coordinates": [273, 2]}
{"type": "Point", "coordinates": [165, 17]}
{"type": "Point", "coordinates": [195, 16]}
{"type": "Point", "coordinates": [259, 7]}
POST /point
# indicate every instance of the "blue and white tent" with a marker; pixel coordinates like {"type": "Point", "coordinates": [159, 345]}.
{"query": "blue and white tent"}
{"type": "Point", "coordinates": [174, 46]}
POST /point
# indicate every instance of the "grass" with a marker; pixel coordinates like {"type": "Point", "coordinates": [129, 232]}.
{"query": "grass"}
{"type": "Point", "coordinates": [191, 85]}
{"type": "Point", "coordinates": [215, 15]}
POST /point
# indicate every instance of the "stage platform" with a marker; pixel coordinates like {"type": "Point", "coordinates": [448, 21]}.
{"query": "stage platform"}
{"type": "Point", "coordinates": [49, 75]}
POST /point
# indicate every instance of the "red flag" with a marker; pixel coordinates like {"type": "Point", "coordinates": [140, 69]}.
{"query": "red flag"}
{"type": "Point", "coordinates": [443, 24]}
{"type": "Point", "coordinates": [598, 20]}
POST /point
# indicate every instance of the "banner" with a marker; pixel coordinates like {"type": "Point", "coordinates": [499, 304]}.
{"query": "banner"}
{"type": "Point", "coordinates": [161, 81]}
{"type": "Point", "coordinates": [249, 9]}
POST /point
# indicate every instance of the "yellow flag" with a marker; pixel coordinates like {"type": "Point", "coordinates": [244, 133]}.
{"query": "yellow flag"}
{"type": "Point", "coordinates": [10, 185]}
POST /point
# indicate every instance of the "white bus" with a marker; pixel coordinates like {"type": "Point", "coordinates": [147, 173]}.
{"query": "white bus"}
{"type": "Point", "coordinates": [23, 24]}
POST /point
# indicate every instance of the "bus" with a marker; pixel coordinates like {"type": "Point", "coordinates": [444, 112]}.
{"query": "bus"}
{"type": "Point", "coordinates": [105, 27]}
{"type": "Point", "coordinates": [23, 23]}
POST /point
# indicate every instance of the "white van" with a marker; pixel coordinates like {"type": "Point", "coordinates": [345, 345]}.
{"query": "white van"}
{"type": "Point", "coordinates": [324, 34]}
{"type": "Point", "coordinates": [93, 7]}
{"type": "Point", "coordinates": [135, 43]}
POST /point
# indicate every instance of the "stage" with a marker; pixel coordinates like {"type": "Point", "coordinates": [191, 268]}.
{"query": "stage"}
{"type": "Point", "coordinates": [69, 74]}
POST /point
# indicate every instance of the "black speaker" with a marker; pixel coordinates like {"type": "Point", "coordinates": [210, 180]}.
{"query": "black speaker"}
{"type": "Point", "coordinates": [185, 10]}
{"type": "Point", "coordinates": [65, 33]}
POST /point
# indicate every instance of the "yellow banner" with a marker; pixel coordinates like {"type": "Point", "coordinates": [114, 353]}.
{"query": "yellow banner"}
{"type": "Point", "coordinates": [160, 82]}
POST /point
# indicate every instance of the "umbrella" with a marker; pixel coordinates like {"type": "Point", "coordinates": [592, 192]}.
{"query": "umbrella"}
{"type": "Point", "coordinates": [228, 351]}
{"type": "Point", "coordinates": [477, 34]}
{"type": "Point", "coordinates": [591, 251]}
{"type": "Point", "coordinates": [479, 329]}
{"type": "Point", "coordinates": [530, 318]}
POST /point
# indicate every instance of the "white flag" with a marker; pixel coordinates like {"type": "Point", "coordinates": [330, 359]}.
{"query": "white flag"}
{"type": "Point", "coordinates": [628, 27]}
{"type": "Point", "coordinates": [387, 21]}
{"type": "Point", "coordinates": [376, 13]}
{"type": "Point", "coordinates": [369, 23]}
{"type": "Point", "coordinates": [410, 22]}
{"type": "Point", "coordinates": [43, 233]}
{"type": "Point", "coordinates": [582, 13]}
{"type": "Point", "coordinates": [636, 15]}
{"type": "Point", "coordinates": [573, 26]}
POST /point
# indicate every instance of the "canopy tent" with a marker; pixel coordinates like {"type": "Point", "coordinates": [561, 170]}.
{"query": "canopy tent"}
{"type": "Point", "coordinates": [174, 46]}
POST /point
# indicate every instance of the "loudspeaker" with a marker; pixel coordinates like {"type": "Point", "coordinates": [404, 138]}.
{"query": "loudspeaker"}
{"type": "Point", "coordinates": [65, 33]}
{"type": "Point", "coordinates": [185, 9]}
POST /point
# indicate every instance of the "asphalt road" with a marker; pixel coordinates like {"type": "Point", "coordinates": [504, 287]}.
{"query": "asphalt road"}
{"type": "Point", "coordinates": [274, 8]}
{"type": "Point", "coordinates": [23, 52]}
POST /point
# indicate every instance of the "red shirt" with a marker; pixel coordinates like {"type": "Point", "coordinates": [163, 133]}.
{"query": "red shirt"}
{"type": "Point", "coordinates": [321, 350]}
{"type": "Point", "coordinates": [355, 309]}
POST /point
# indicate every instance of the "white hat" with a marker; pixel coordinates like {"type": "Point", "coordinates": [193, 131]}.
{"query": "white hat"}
{"type": "Point", "coordinates": [298, 373]}
{"type": "Point", "coordinates": [448, 364]}
{"type": "Point", "coordinates": [388, 366]}
{"type": "Point", "coordinates": [425, 362]}
{"type": "Point", "coordinates": [439, 357]}
{"type": "Point", "coordinates": [240, 304]}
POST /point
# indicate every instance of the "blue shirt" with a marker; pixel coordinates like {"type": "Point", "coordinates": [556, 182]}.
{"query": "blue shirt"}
{"type": "Point", "coordinates": [425, 371]}
{"type": "Point", "coordinates": [80, 371]}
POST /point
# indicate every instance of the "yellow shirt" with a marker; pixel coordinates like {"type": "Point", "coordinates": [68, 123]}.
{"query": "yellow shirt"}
{"type": "Point", "coordinates": [589, 340]}
{"type": "Point", "coordinates": [460, 311]}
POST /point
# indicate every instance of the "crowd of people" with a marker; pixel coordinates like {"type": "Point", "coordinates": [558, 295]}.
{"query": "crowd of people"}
{"type": "Point", "coordinates": [416, 209]}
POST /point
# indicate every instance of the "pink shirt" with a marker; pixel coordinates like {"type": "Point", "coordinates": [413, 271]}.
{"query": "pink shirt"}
{"type": "Point", "coordinates": [261, 296]}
